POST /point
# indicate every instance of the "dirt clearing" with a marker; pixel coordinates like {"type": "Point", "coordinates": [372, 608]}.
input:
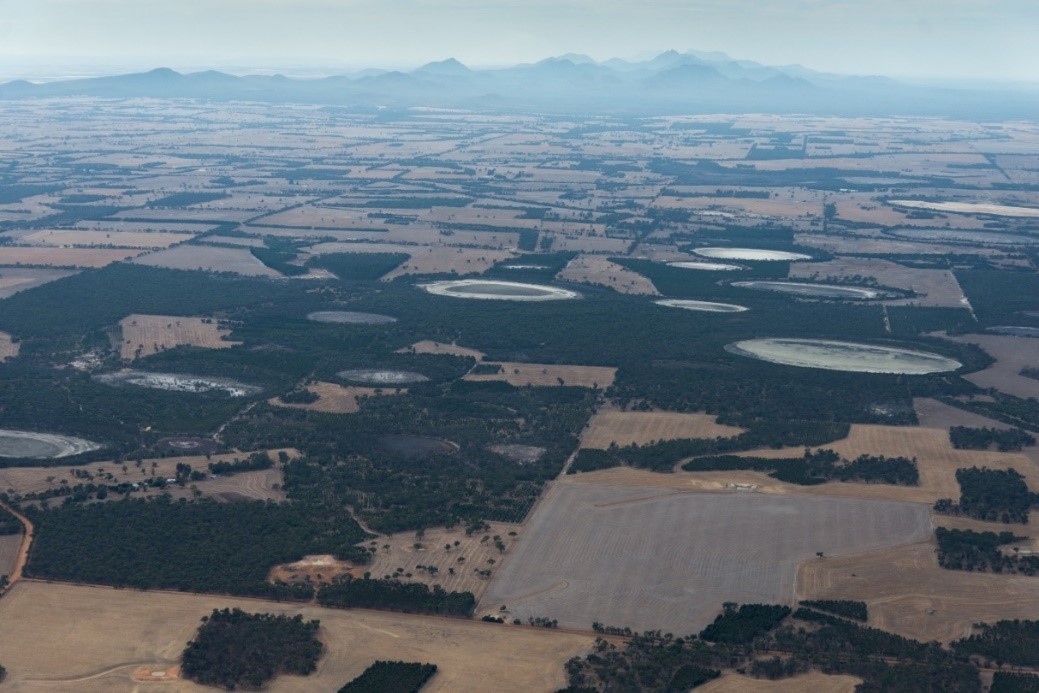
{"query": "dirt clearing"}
{"type": "Point", "coordinates": [119, 631]}
{"type": "Point", "coordinates": [908, 593]}
{"type": "Point", "coordinates": [8, 348]}
{"type": "Point", "coordinates": [144, 335]}
{"type": "Point", "coordinates": [813, 681]}
{"type": "Point", "coordinates": [652, 558]}
{"type": "Point", "coordinates": [338, 399]}
{"type": "Point", "coordinates": [549, 375]}
{"type": "Point", "coordinates": [1011, 354]}
{"type": "Point", "coordinates": [643, 428]}
{"type": "Point", "coordinates": [427, 346]}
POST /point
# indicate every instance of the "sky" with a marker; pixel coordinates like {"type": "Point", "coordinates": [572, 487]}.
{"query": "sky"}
{"type": "Point", "coordinates": [929, 39]}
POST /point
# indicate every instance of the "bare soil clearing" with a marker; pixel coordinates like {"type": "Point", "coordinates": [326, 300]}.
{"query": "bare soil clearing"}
{"type": "Point", "coordinates": [15, 279]}
{"type": "Point", "coordinates": [8, 348]}
{"type": "Point", "coordinates": [119, 631]}
{"type": "Point", "coordinates": [1011, 354]}
{"type": "Point", "coordinates": [549, 375]}
{"type": "Point", "coordinates": [10, 544]}
{"type": "Point", "coordinates": [338, 399]}
{"type": "Point", "coordinates": [144, 335]}
{"type": "Point", "coordinates": [652, 558]}
{"type": "Point", "coordinates": [908, 593]}
{"type": "Point", "coordinates": [642, 428]}
{"type": "Point", "coordinates": [595, 269]}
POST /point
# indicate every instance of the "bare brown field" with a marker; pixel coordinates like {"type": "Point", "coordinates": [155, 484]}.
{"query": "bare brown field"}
{"type": "Point", "coordinates": [338, 399]}
{"type": "Point", "coordinates": [550, 375]}
{"type": "Point", "coordinates": [15, 279]}
{"type": "Point", "coordinates": [8, 348]}
{"type": "Point", "coordinates": [64, 257]}
{"type": "Point", "coordinates": [119, 239]}
{"type": "Point", "coordinates": [427, 346]}
{"type": "Point", "coordinates": [35, 479]}
{"type": "Point", "coordinates": [935, 288]}
{"type": "Point", "coordinates": [881, 245]}
{"type": "Point", "coordinates": [908, 593]}
{"type": "Point", "coordinates": [119, 631]}
{"type": "Point", "coordinates": [593, 269]}
{"type": "Point", "coordinates": [610, 426]}
{"type": "Point", "coordinates": [652, 558]}
{"type": "Point", "coordinates": [813, 681]}
{"type": "Point", "coordinates": [144, 335]}
{"type": "Point", "coordinates": [9, 546]}
{"type": "Point", "coordinates": [934, 414]}
{"type": "Point", "coordinates": [591, 244]}
{"type": "Point", "coordinates": [324, 218]}
{"type": "Point", "coordinates": [211, 258]}
{"type": "Point", "coordinates": [1011, 354]}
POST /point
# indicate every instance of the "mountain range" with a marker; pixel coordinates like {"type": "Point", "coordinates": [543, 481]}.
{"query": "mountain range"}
{"type": "Point", "coordinates": [670, 83]}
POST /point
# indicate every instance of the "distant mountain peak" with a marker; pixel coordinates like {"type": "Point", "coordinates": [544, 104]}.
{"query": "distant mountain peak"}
{"type": "Point", "coordinates": [450, 66]}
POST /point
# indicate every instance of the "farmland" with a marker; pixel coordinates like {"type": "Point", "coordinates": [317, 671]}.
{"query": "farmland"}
{"type": "Point", "coordinates": [641, 428]}
{"type": "Point", "coordinates": [121, 631]}
{"type": "Point", "coordinates": [683, 554]}
{"type": "Point", "coordinates": [337, 399]}
{"type": "Point", "coordinates": [144, 335]}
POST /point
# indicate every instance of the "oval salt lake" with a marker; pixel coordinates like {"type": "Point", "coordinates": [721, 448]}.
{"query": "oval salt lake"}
{"type": "Point", "coordinates": [377, 376]}
{"type": "Point", "coordinates": [808, 290]}
{"type": "Point", "coordinates": [706, 266]}
{"type": "Point", "coordinates": [499, 290]}
{"type": "Point", "coordinates": [347, 317]}
{"type": "Point", "coordinates": [750, 254]}
{"type": "Point", "coordinates": [702, 306]}
{"type": "Point", "coordinates": [42, 446]}
{"type": "Point", "coordinates": [852, 357]}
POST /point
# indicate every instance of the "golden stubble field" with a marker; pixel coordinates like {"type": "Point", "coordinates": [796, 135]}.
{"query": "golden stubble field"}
{"type": "Point", "coordinates": [119, 631]}
{"type": "Point", "coordinates": [144, 335]}
{"type": "Point", "coordinates": [610, 426]}
{"type": "Point", "coordinates": [549, 375]}
{"type": "Point", "coordinates": [338, 399]}
{"type": "Point", "coordinates": [598, 270]}
{"type": "Point", "coordinates": [64, 257]}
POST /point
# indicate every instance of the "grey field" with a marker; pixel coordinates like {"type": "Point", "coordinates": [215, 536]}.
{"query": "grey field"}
{"type": "Point", "coordinates": [653, 558]}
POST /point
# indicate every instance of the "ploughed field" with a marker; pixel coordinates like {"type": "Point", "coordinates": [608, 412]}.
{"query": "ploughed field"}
{"type": "Point", "coordinates": [649, 558]}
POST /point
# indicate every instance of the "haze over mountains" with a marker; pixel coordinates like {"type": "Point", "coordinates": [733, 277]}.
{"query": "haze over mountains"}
{"type": "Point", "coordinates": [672, 82]}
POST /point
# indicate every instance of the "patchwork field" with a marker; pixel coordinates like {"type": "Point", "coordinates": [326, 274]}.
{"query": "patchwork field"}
{"type": "Point", "coordinates": [652, 558]}
{"type": "Point", "coordinates": [64, 257]}
{"type": "Point", "coordinates": [592, 269]}
{"type": "Point", "coordinates": [549, 375]}
{"type": "Point", "coordinates": [119, 631]}
{"type": "Point", "coordinates": [610, 426]}
{"type": "Point", "coordinates": [337, 399]}
{"type": "Point", "coordinates": [8, 348]}
{"type": "Point", "coordinates": [211, 258]}
{"type": "Point", "coordinates": [438, 259]}
{"type": "Point", "coordinates": [144, 335]}
{"type": "Point", "coordinates": [909, 594]}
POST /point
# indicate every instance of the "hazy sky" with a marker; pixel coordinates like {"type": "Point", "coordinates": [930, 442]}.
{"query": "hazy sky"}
{"type": "Point", "coordinates": [993, 39]}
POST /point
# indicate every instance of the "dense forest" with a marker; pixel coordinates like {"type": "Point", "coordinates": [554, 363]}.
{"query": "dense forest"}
{"type": "Point", "coordinates": [965, 549]}
{"type": "Point", "coordinates": [201, 546]}
{"type": "Point", "coordinates": [235, 649]}
{"type": "Point", "coordinates": [394, 595]}
{"type": "Point", "coordinates": [993, 495]}
{"type": "Point", "coordinates": [817, 468]}
{"type": "Point", "coordinates": [395, 677]}
{"type": "Point", "coordinates": [1011, 440]}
